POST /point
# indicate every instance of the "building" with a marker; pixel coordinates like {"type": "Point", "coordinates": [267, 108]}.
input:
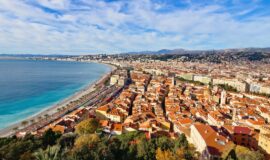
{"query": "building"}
{"type": "Point", "coordinates": [254, 87]}
{"type": "Point", "coordinates": [101, 112]}
{"type": "Point", "coordinates": [264, 138]}
{"type": "Point", "coordinates": [243, 136]}
{"type": "Point", "coordinates": [116, 115]}
{"type": "Point", "coordinates": [209, 140]}
{"type": "Point", "coordinates": [122, 81]}
{"type": "Point", "coordinates": [265, 89]}
{"type": "Point", "coordinates": [114, 79]}
{"type": "Point", "coordinates": [235, 83]}
{"type": "Point", "coordinates": [187, 76]}
{"type": "Point", "coordinates": [116, 129]}
{"type": "Point", "coordinates": [223, 98]}
{"type": "Point", "coordinates": [202, 78]}
{"type": "Point", "coordinates": [215, 118]}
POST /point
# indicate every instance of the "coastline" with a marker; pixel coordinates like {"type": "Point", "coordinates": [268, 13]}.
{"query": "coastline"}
{"type": "Point", "coordinates": [49, 110]}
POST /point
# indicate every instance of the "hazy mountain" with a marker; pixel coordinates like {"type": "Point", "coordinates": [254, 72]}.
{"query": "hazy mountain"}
{"type": "Point", "coordinates": [183, 51]}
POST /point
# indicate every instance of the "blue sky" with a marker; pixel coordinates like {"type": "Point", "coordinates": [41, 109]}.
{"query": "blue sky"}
{"type": "Point", "coordinates": [113, 26]}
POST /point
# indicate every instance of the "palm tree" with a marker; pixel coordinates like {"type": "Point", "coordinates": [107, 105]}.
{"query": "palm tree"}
{"type": "Point", "coordinates": [64, 108]}
{"type": "Point", "coordinates": [32, 121]}
{"type": "Point", "coordinates": [24, 123]}
{"type": "Point", "coordinates": [59, 110]}
{"type": "Point", "coordinates": [15, 129]}
{"type": "Point", "coordinates": [39, 117]}
{"type": "Point", "coordinates": [46, 116]}
{"type": "Point", "coordinates": [51, 153]}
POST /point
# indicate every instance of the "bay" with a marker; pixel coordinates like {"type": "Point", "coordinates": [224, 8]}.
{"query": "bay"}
{"type": "Point", "coordinates": [28, 86]}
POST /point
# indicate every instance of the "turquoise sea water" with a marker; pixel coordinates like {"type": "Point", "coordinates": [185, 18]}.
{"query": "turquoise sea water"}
{"type": "Point", "coordinates": [27, 87]}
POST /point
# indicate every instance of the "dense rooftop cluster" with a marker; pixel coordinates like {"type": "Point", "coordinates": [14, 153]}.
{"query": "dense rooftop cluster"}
{"type": "Point", "coordinates": [214, 105]}
{"type": "Point", "coordinates": [223, 109]}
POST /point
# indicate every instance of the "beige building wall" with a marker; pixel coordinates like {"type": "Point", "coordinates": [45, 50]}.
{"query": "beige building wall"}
{"type": "Point", "coordinates": [114, 79]}
{"type": "Point", "coordinates": [187, 76]}
{"type": "Point", "coordinates": [265, 89]}
{"type": "Point", "coordinates": [202, 78]}
{"type": "Point", "coordinates": [197, 139]}
{"type": "Point", "coordinates": [264, 142]}
{"type": "Point", "coordinates": [264, 138]}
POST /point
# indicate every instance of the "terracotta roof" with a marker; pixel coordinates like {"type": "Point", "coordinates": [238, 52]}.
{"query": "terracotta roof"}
{"type": "Point", "coordinates": [103, 123]}
{"type": "Point", "coordinates": [116, 127]}
{"type": "Point", "coordinates": [115, 112]}
{"type": "Point", "coordinates": [184, 121]}
{"type": "Point", "coordinates": [215, 140]}
{"type": "Point", "coordinates": [242, 130]}
{"type": "Point", "coordinates": [58, 128]}
{"type": "Point", "coordinates": [256, 122]}
{"type": "Point", "coordinates": [103, 108]}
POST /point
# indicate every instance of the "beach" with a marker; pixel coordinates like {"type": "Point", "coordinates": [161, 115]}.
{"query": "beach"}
{"type": "Point", "coordinates": [54, 109]}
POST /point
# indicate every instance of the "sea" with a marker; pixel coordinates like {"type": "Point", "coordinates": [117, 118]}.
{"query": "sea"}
{"type": "Point", "coordinates": [30, 86]}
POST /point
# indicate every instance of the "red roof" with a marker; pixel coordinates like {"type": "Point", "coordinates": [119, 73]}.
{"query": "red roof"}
{"type": "Point", "coordinates": [242, 130]}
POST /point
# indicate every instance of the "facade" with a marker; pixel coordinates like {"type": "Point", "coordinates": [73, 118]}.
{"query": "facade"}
{"type": "Point", "coordinates": [209, 140]}
{"type": "Point", "coordinates": [238, 85]}
{"type": "Point", "coordinates": [122, 81]}
{"type": "Point", "coordinates": [114, 79]}
{"type": "Point", "coordinates": [264, 139]}
{"type": "Point", "coordinates": [243, 136]}
{"type": "Point", "coordinates": [223, 97]}
{"type": "Point", "coordinates": [202, 78]}
{"type": "Point", "coordinates": [265, 89]}
{"type": "Point", "coordinates": [187, 76]}
{"type": "Point", "coordinates": [254, 87]}
{"type": "Point", "coordinates": [259, 88]}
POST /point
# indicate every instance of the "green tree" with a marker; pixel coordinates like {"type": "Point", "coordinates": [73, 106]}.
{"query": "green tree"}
{"type": "Point", "coordinates": [164, 143]}
{"type": "Point", "coordinates": [128, 144]}
{"type": "Point", "coordinates": [89, 140]}
{"type": "Point", "coordinates": [165, 155]}
{"type": "Point", "coordinates": [244, 153]}
{"type": "Point", "coordinates": [87, 126]}
{"type": "Point", "coordinates": [18, 148]}
{"type": "Point", "coordinates": [146, 149]}
{"type": "Point", "coordinates": [114, 145]}
{"type": "Point", "coordinates": [50, 137]}
{"type": "Point", "coordinates": [51, 153]}
{"type": "Point", "coordinates": [104, 151]}
{"type": "Point", "coordinates": [181, 141]}
{"type": "Point", "coordinates": [67, 140]}
{"type": "Point", "coordinates": [83, 153]}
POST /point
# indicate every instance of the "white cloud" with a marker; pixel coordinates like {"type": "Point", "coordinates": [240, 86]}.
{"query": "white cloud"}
{"type": "Point", "coordinates": [54, 4]}
{"type": "Point", "coordinates": [95, 26]}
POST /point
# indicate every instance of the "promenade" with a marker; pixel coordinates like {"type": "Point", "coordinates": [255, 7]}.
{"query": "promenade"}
{"type": "Point", "coordinates": [90, 95]}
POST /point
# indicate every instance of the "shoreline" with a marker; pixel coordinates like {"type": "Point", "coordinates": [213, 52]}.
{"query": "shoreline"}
{"type": "Point", "coordinates": [49, 110]}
